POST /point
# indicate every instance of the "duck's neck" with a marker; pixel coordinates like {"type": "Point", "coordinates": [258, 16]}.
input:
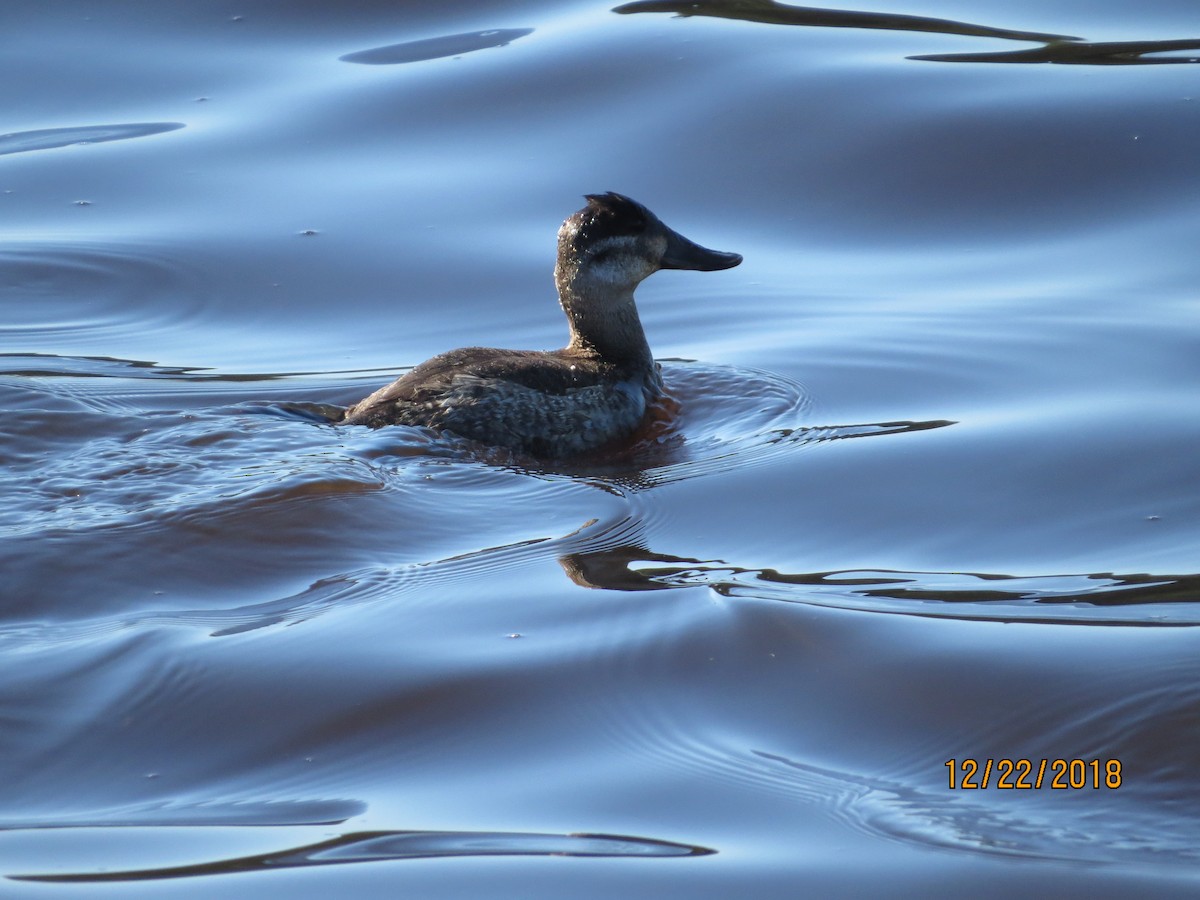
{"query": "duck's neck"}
{"type": "Point", "coordinates": [604, 321]}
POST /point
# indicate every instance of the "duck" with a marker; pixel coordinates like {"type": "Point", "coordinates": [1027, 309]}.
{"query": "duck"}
{"type": "Point", "coordinates": [556, 404]}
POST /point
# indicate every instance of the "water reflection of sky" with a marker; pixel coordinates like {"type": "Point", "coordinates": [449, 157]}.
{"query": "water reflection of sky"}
{"type": "Point", "coordinates": [941, 417]}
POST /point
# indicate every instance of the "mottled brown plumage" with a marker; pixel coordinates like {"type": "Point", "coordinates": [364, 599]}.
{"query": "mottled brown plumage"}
{"type": "Point", "coordinates": [561, 402]}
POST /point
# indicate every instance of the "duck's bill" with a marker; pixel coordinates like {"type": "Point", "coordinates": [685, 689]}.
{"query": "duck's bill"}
{"type": "Point", "coordinates": [683, 254]}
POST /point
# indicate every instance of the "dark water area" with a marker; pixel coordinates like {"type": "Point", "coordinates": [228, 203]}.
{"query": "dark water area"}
{"type": "Point", "coordinates": [927, 492]}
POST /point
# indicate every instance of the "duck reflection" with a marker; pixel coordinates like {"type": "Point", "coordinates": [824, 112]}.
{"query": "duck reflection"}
{"type": "Point", "coordinates": [612, 569]}
{"type": "Point", "coordinates": [1085, 599]}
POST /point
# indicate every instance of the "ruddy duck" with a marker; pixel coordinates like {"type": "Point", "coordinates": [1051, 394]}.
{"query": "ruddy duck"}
{"type": "Point", "coordinates": [557, 403]}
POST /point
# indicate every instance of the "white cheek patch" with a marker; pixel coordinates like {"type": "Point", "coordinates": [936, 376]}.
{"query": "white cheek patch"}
{"type": "Point", "coordinates": [619, 260]}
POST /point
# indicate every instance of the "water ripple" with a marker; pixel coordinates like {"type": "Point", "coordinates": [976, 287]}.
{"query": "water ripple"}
{"type": "Point", "coordinates": [376, 846]}
{"type": "Point", "coordinates": [95, 293]}
{"type": "Point", "coordinates": [436, 48]}
{"type": "Point", "coordinates": [1105, 832]}
{"type": "Point", "coordinates": [269, 813]}
{"type": "Point", "coordinates": [51, 138]}
{"type": "Point", "coordinates": [714, 417]}
{"type": "Point", "coordinates": [769, 12]}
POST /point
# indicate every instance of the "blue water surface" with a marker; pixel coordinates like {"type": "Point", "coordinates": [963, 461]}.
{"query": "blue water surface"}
{"type": "Point", "coordinates": [927, 492]}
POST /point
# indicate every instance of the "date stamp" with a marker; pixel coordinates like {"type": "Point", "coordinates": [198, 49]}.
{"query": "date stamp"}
{"type": "Point", "coordinates": [1034, 774]}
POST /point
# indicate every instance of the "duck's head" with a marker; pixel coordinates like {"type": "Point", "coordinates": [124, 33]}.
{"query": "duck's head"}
{"type": "Point", "coordinates": [614, 242]}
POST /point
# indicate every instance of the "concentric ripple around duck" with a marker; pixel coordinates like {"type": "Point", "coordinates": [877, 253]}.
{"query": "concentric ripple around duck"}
{"type": "Point", "coordinates": [714, 417]}
{"type": "Point", "coordinates": [89, 295]}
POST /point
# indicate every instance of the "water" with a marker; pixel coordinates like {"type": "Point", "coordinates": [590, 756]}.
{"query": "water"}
{"type": "Point", "coordinates": [940, 421]}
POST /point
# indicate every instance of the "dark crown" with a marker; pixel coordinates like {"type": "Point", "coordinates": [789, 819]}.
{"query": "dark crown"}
{"type": "Point", "coordinates": [612, 215]}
